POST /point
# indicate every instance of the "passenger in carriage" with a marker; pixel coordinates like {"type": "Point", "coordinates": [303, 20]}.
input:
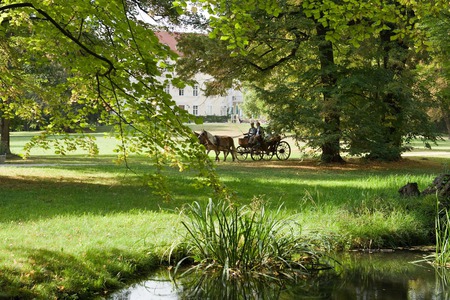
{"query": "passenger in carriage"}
{"type": "Point", "coordinates": [258, 136]}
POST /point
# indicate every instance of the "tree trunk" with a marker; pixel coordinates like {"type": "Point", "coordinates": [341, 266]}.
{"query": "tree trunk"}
{"type": "Point", "coordinates": [447, 123]}
{"type": "Point", "coordinates": [332, 133]}
{"type": "Point", "coordinates": [391, 143]}
{"type": "Point", "coordinates": [5, 136]}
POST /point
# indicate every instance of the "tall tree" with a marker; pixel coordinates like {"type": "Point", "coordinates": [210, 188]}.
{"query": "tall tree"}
{"type": "Point", "coordinates": [116, 66]}
{"type": "Point", "coordinates": [272, 47]}
{"type": "Point", "coordinates": [300, 53]}
{"type": "Point", "coordinates": [437, 69]}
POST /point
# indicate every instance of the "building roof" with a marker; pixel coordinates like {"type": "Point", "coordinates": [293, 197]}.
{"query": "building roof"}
{"type": "Point", "coordinates": [169, 39]}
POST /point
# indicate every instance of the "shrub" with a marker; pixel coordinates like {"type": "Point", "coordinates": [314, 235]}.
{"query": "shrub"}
{"type": "Point", "coordinates": [215, 119]}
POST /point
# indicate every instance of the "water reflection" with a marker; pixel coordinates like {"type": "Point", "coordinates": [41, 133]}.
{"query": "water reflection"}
{"type": "Point", "coordinates": [390, 276]}
{"type": "Point", "coordinates": [155, 289]}
{"type": "Point", "coordinates": [360, 276]}
{"type": "Point", "coordinates": [210, 286]}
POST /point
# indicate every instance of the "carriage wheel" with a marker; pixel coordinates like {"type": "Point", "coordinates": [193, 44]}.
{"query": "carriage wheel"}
{"type": "Point", "coordinates": [256, 154]}
{"type": "Point", "coordinates": [241, 153]}
{"type": "Point", "coordinates": [268, 154]}
{"type": "Point", "coordinates": [283, 150]}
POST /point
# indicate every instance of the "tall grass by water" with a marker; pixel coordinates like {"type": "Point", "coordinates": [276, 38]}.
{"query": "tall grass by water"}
{"type": "Point", "coordinates": [442, 254]}
{"type": "Point", "coordinates": [241, 240]}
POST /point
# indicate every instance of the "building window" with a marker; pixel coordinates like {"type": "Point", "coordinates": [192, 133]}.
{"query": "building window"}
{"type": "Point", "coordinates": [181, 92]}
{"type": "Point", "coordinates": [195, 110]}
{"type": "Point", "coordinates": [195, 90]}
{"type": "Point", "coordinates": [167, 89]}
{"type": "Point", "coordinates": [209, 110]}
{"type": "Point", "coordinates": [182, 106]}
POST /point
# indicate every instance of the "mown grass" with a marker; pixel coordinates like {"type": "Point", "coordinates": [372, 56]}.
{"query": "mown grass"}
{"type": "Point", "coordinates": [82, 227]}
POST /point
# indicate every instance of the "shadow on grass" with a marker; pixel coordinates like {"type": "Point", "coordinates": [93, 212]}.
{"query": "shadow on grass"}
{"type": "Point", "coordinates": [25, 199]}
{"type": "Point", "coordinates": [58, 275]}
{"type": "Point", "coordinates": [104, 163]}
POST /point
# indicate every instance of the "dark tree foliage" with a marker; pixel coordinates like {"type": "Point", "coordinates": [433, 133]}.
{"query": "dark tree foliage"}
{"type": "Point", "coordinates": [340, 76]}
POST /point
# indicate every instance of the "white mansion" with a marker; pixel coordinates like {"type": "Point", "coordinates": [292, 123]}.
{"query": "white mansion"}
{"type": "Point", "coordinates": [192, 99]}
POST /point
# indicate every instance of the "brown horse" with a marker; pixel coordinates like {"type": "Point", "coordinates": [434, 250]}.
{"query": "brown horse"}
{"type": "Point", "coordinates": [209, 147]}
{"type": "Point", "coordinates": [218, 143]}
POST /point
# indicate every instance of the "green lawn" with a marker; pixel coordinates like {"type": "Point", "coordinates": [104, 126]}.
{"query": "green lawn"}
{"type": "Point", "coordinates": [76, 226]}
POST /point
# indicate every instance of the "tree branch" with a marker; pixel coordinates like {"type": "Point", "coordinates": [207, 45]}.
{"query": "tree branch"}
{"type": "Point", "coordinates": [64, 32]}
{"type": "Point", "coordinates": [291, 54]}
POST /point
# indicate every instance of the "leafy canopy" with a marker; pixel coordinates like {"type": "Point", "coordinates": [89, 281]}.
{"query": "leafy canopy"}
{"type": "Point", "coordinates": [316, 65]}
{"type": "Point", "coordinates": [115, 68]}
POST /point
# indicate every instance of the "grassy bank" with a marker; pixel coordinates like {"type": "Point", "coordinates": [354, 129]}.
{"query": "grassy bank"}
{"type": "Point", "coordinates": [76, 225]}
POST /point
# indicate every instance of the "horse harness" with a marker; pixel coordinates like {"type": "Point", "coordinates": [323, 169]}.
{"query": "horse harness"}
{"type": "Point", "coordinates": [217, 140]}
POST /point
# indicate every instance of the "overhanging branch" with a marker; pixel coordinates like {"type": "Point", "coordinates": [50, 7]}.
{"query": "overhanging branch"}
{"type": "Point", "coordinates": [290, 55]}
{"type": "Point", "coordinates": [63, 31]}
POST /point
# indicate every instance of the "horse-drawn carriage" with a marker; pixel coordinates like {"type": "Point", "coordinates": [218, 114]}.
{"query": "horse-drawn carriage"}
{"type": "Point", "coordinates": [258, 149]}
{"type": "Point", "coordinates": [263, 148]}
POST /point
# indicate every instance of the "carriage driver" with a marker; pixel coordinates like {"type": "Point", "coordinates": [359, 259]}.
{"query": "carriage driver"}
{"type": "Point", "coordinates": [251, 131]}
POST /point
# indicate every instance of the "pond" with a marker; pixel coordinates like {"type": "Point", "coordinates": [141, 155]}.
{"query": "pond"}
{"type": "Point", "coordinates": [381, 275]}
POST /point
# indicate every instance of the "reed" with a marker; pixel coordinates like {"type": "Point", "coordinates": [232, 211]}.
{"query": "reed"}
{"type": "Point", "coordinates": [442, 255]}
{"type": "Point", "coordinates": [237, 241]}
